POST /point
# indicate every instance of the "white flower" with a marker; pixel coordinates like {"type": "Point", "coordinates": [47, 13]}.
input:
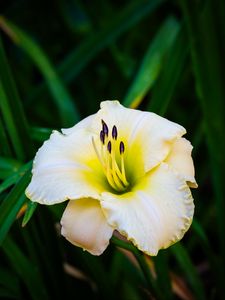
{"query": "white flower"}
{"type": "Point", "coordinates": [121, 169]}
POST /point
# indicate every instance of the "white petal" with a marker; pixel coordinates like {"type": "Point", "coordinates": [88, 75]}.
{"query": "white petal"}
{"type": "Point", "coordinates": [147, 136]}
{"type": "Point", "coordinates": [155, 213]}
{"type": "Point", "coordinates": [84, 225]}
{"type": "Point", "coordinates": [83, 124]}
{"type": "Point", "coordinates": [66, 167]}
{"type": "Point", "coordinates": [180, 159]}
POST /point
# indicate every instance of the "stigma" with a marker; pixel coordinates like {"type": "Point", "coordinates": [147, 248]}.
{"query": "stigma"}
{"type": "Point", "coordinates": [111, 157]}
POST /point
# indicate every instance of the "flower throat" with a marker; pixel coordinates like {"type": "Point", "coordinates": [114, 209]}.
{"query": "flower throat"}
{"type": "Point", "coordinates": [114, 172]}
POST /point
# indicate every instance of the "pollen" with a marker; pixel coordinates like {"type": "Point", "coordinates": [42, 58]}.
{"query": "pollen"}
{"type": "Point", "coordinates": [112, 164]}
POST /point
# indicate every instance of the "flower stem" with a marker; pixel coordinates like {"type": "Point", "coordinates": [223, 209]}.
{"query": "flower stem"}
{"type": "Point", "coordinates": [143, 265]}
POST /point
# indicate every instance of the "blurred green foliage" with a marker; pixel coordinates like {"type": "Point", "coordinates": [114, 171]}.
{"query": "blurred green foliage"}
{"type": "Point", "coordinates": [58, 61]}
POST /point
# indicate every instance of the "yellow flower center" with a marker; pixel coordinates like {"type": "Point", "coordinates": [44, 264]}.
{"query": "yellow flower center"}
{"type": "Point", "coordinates": [110, 145]}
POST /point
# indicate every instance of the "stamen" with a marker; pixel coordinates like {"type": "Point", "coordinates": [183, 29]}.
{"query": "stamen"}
{"type": "Point", "coordinates": [123, 171]}
{"type": "Point", "coordinates": [114, 172]}
{"type": "Point", "coordinates": [109, 146]}
{"type": "Point", "coordinates": [117, 175]}
{"type": "Point", "coordinates": [105, 128]}
{"type": "Point", "coordinates": [114, 132]}
{"type": "Point", "coordinates": [122, 147]}
{"type": "Point", "coordinates": [96, 151]}
{"type": "Point", "coordinates": [110, 177]}
{"type": "Point", "coordinates": [117, 180]}
{"type": "Point", "coordinates": [102, 137]}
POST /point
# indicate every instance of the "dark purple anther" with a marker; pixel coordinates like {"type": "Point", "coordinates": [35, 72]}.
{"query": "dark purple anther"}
{"type": "Point", "coordinates": [102, 137]}
{"type": "Point", "coordinates": [122, 147]}
{"type": "Point", "coordinates": [114, 132]}
{"type": "Point", "coordinates": [105, 128]}
{"type": "Point", "coordinates": [109, 146]}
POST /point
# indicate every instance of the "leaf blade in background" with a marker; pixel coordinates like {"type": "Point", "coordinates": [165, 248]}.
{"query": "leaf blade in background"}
{"type": "Point", "coordinates": [189, 270]}
{"type": "Point", "coordinates": [127, 18]}
{"type": "Point", "coordinates": [9, 181]}
{"type": "Point", "coordinates": [9, 283]}
{"type": "Point", "coordinates": [8, 166]}
{"type": "Point", "coordinates": [162, 274]}
{"type": "Point", "coordinates": [12, 204]}
{"type": "Point", "coordinates": [208, 67]}
{"type": "Point", "coordinates": [11, 126]}
{"type": "Point", "coordinates": [63, 100]}
{"type": "Point", "coordinates": [40, 134]}
{"type": "Point", "coordinates": [30, 209]}
{"type": "Point", "coordinates": [14, 106]}
{"type": "Point", "coordinates": [79, 58]}
{"type": "Point", "coordinates": [28, 273]}
{"type": "Point", "coordinates": [152, 63]}
{"type": "Point", "coordinates": [152, 283]}
{"type": "Point", "coordinates": [5, 149]}
{"type": "Point", "coordinates": [164, 88]}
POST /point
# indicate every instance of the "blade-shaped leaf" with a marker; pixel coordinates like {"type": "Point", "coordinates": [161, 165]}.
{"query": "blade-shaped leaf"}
{"type": "Point", "coordinates": [31, 207]}
{"type": "Point", "coordinates": [14, 177]}
{"type": "Point", "coordinates": [13, 110]}
{"type": "Point", "coordinates": [189, 270]}
{"type": "Point", "coordinates": [8, 166]}
{"type": "Point", "coordinates": [163, 90]}
{"type": "Point", "coordinates": [208, 66]}
{"type": "Point", "coordinates": [78, 59]}
{"type": "Point", "coordinates": [66, 106]}
{"type": "Point", "coordinates": [10, 123]}
{"type": "Point", "coordinates": [12, 204]}
{"type": "Point", "coordinates": [152, 63]}
{"type": "Point", "coordinates": [27, 271]}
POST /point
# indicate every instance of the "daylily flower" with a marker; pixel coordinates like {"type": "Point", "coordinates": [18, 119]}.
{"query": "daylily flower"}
{"type": "Point", "coordinates": [121, 169]}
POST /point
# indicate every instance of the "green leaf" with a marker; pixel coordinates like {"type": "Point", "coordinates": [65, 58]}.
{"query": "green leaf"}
{"type": "Point", "coordinates": [121, 265]}
{"type": "Point", "coordinates": [40, 134]}
{"type": "Point", "coordinates": [64, 102]}
{"type": "Point", "coordinates": [78, 59]}
{"type": "Point", "coordinates": [9, 283]}
{"type": "Point", "coordinates": [10, 124]}
{"type": "Point", "coordinates": [27, 271]}
{"type": "Point", "coordinates": [207, 51]}
{"type": "Point", "coordinates": [172, 68]}
{"type": "Point", "coordinates": [152, 285]}
{"type": "Point", "coordinates": [31, 207]}
{"type": "Point", "coordinates": [13, 110]}
{"type": "Point", "coordinates": [41, 231]}
{"type": "Point", "coordinates": [14, 177]}
{"type": "Point", "coordinates": [8, 166]}
{"type": "Point", "coordinates": [127, 18]}
{"type": "Point", "coordinates": [5, 148]}
{"type": "Point", "coordinates": [152, 63]}
{"type": "Point", "coordinates": [10, 217]}
{"type": "Point", "coordinates": [162, 273]}
{"type": "Point", "coordinates": [189, 270]}
{"type": "Point", "coordinates": [12, 204]}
